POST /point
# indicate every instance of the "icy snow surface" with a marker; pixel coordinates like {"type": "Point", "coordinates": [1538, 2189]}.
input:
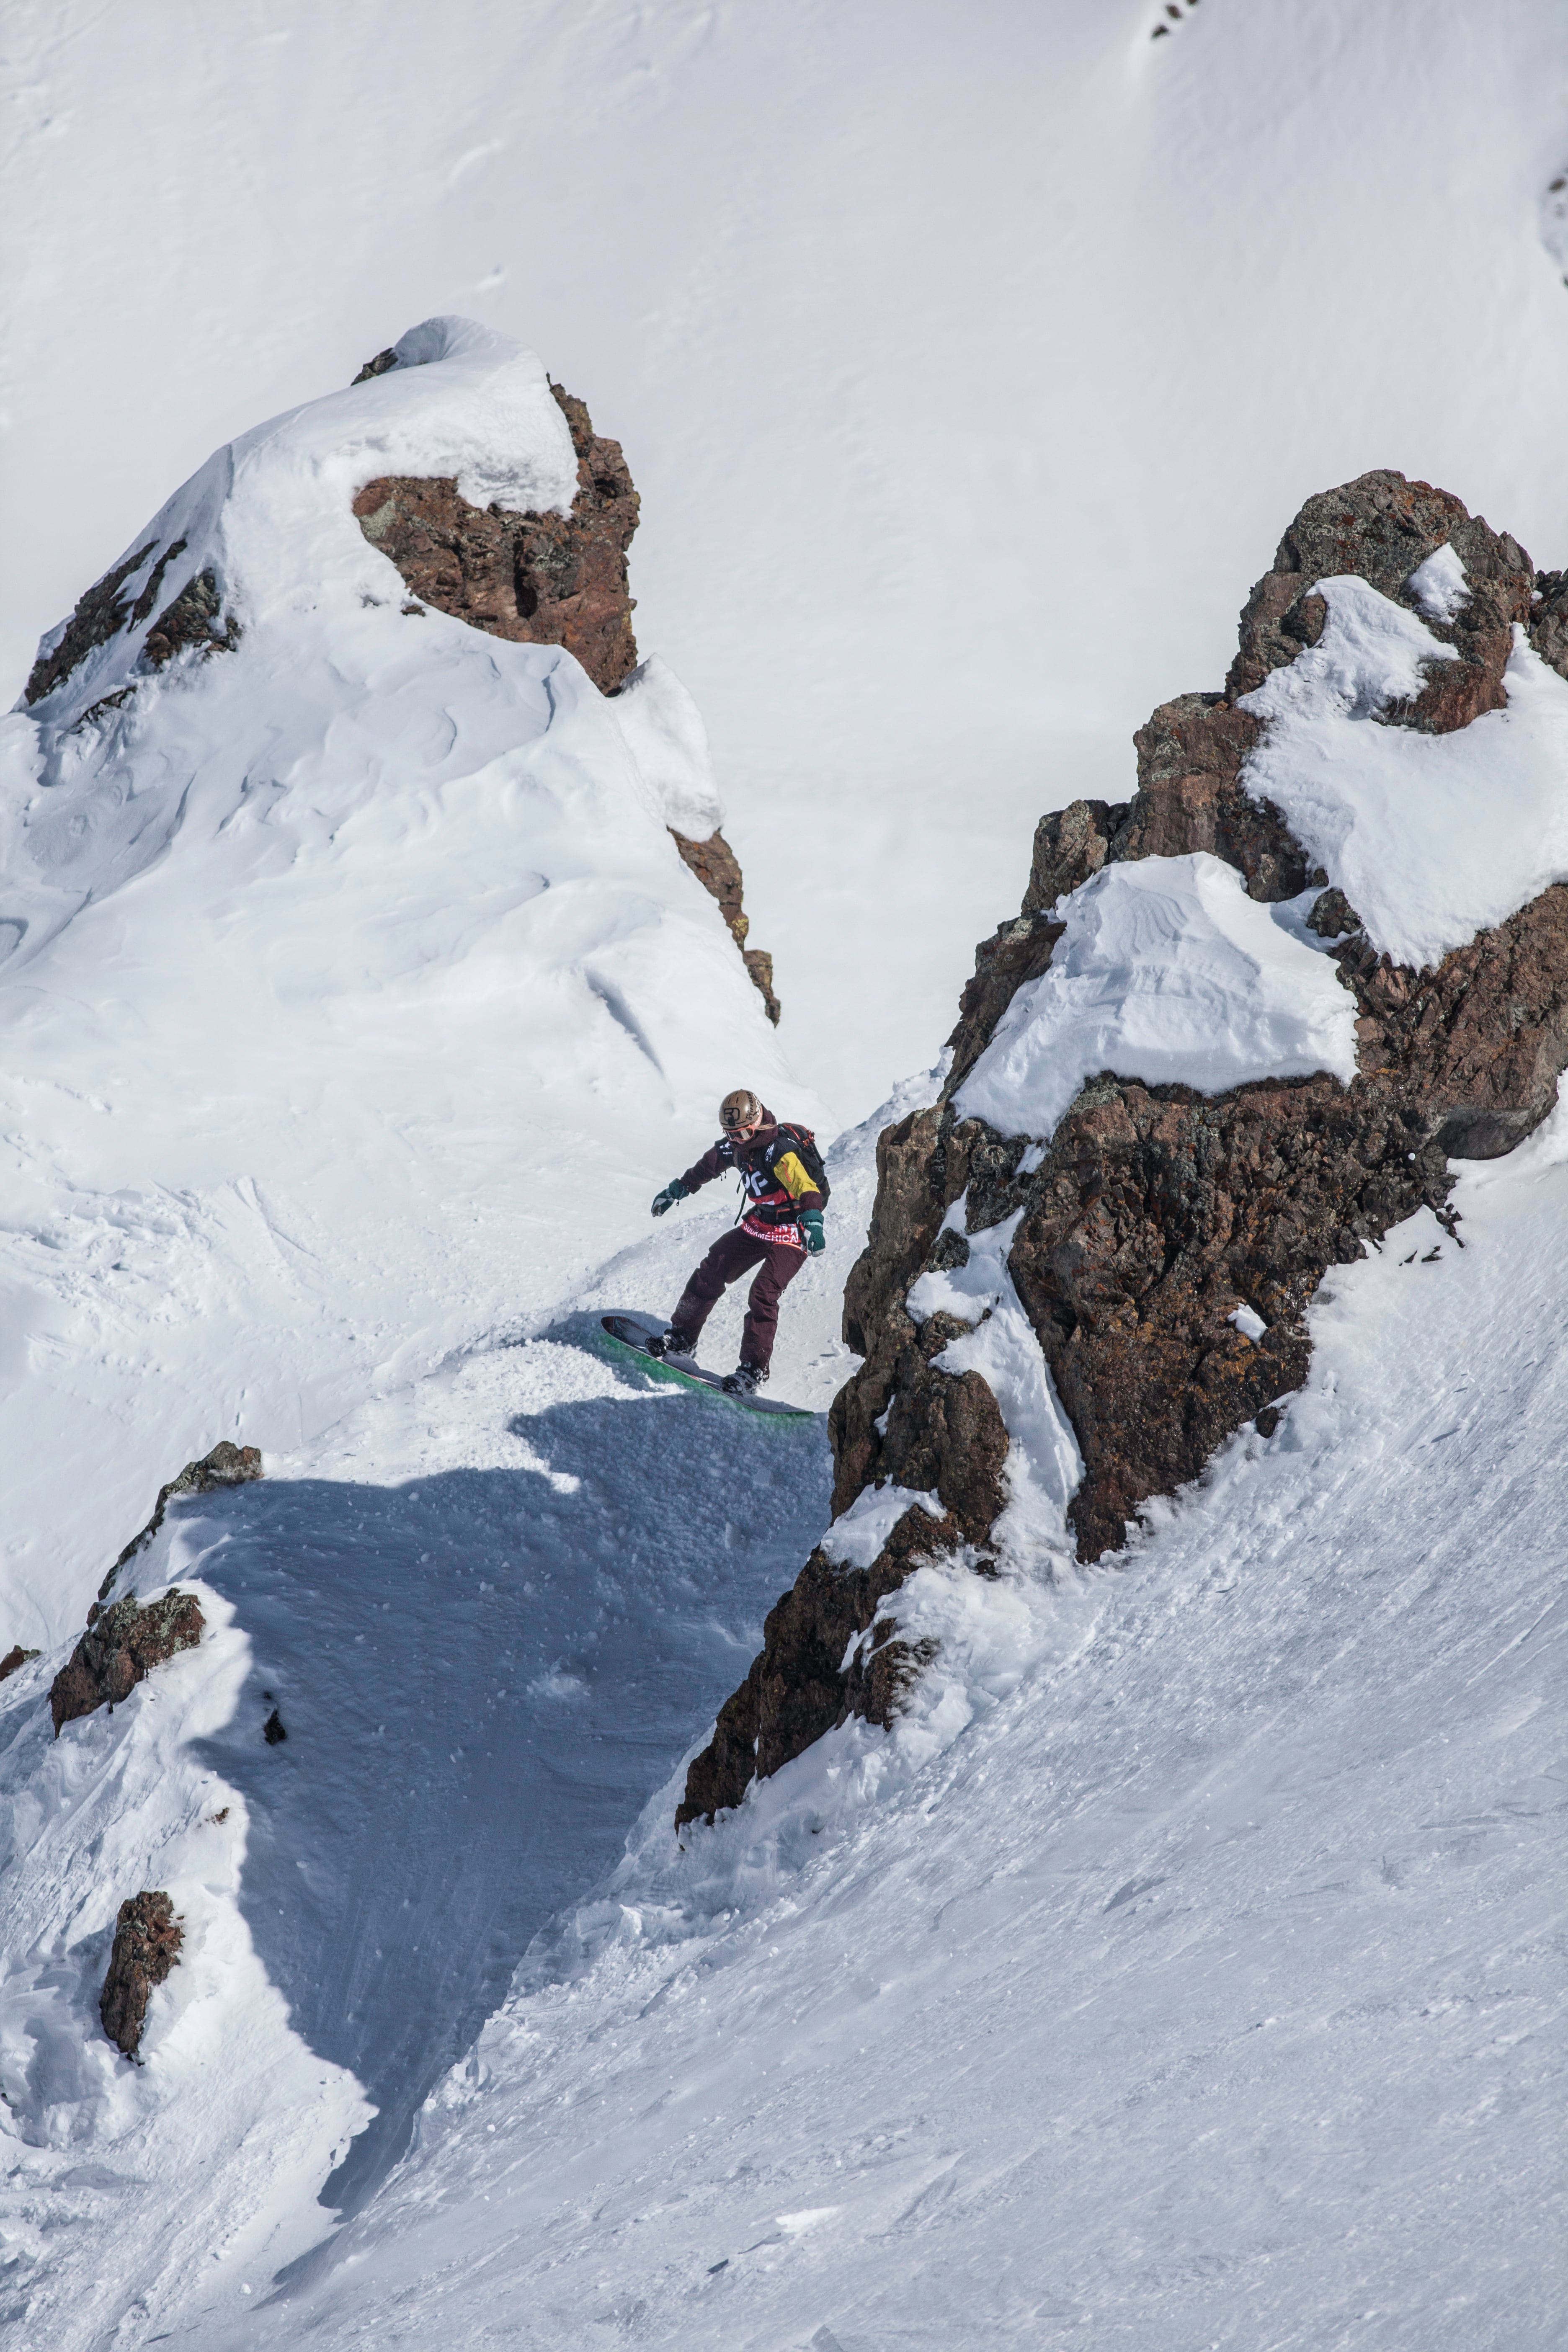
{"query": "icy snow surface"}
{"type": "Point", "coordinates": [1169, 972]}
{"type": "Point", "coordinates": [1432, 838]}
{"type": "Point", "coordinates": [490, 1605]}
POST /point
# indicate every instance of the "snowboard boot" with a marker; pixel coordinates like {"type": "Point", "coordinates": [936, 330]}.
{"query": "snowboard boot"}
{"type": "Point", "coordinates": [745, 1379]}
{"type": "Point", "coordinates": [672, 1342]}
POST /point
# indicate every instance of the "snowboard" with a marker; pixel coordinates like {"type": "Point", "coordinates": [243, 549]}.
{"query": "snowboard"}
{"type": "Point", "coordinates": [632, 1333]}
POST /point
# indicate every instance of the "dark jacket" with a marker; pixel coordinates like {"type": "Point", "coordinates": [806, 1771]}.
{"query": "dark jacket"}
{"type": "Point", "coordinates": [778, 1185]}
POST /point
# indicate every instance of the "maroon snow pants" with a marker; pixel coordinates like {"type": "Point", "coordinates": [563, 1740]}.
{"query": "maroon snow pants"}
{"type": "Point", "coordinates": [731, 1256]}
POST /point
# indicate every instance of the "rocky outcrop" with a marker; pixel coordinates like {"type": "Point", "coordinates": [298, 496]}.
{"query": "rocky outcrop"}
{"type": "Point", "coordinates": [543, 579]}
{"type": "Point", "coordinates": [101, 614]}
{"type": "Point", "coordinates": [124, 1643]}
{"type": "Point", "coordinates": [15, 1660]}
{"type": "Point", "coordinates": [1152, 1214]}
{"type": "Point", "coordinates": [191, 618]}
{"type": "Point", "coordinates": [147, 1942]}
{"type": "Point", "coordinates": [120, 1648]}
{"type": "Point", "coordinates": [383, 365]}
{"type": "Point", "coordinates": [1549, 620]}
{"type": "Point", "coordinates": [718, 869]}
{"type": "Point", "coordinates": [1382, 527]}
{"type": "Point", "coordinates": [536, 579]}
{"type": "Point", "coordinates": [227, 1465]}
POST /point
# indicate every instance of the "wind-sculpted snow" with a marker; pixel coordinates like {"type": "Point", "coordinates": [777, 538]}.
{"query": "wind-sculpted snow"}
{"type": "Point", "coordinates": [1432, 838]}
{"type": "Point", "coordinates": [1166, 970]}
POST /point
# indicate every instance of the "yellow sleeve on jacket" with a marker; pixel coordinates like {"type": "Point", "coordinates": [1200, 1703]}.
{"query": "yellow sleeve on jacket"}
{"type": "Point", "coordinates": [792, 1176]}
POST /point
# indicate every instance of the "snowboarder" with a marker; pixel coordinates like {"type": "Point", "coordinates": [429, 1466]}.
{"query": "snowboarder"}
{"type": "Point", "coordinates": [785, 1190]}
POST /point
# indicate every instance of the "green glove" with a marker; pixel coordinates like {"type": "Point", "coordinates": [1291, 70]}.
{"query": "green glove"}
{"type": "Point", "coordinates": [815, 1239]}
{"type": "Point", "coordinates": [674, 1190]}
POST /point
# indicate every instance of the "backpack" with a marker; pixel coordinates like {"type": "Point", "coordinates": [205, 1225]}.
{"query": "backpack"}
{"type": "Point", "coordinates": [804, 1144]}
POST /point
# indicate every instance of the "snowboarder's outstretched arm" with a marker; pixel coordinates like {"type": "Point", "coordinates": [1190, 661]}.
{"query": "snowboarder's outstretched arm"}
{"type": "Point", "coordinates": [701, 1171]}
{"type": "Point", "coordinates": [715, 1161]}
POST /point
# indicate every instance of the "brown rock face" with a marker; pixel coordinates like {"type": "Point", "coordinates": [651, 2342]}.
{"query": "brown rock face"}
{"type": "Point", "coordinates": [718, 869]}
{"type": "Point", "coordinates": [1381, 527]}
{"type": "Point", "coordinates": [226, 1465]}
{"type": "Point", "coordinates": [540, 580]}
{"type": "Point", "coordinates": [191, 618]}
{"type": "Point", "coordinates": [15, 1660]}
{"type": "Point", "coordinates": [795, 1691]}
{"type": "Point", "coordinates": [120, 1648]}
{"type": "Point", "coordinates": [1156, 1213]}
{"type": "Point", "coordinates": [544, 579]}
{"type": "Point", "coordinates": [147, 1941]}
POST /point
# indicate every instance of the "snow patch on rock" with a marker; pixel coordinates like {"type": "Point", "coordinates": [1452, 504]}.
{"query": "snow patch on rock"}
{"type": "Point", "coordinates": [1432, 838]}
{"type": "Point", "coordinates": [1439, 586]}
{"type": "Point", "coordinates": [855, 1540]}
{"type": "Point", "coordinates": [1168, 972]}
{"type": "Point", "coordinates": [1044, 1465]}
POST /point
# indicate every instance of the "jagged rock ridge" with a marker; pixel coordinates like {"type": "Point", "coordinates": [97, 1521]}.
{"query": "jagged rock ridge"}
{"type": "Point", "coordinates": [227, 1465]}
{"type": "Point", "coordinates": [544, 579]}
{"type": "Point", "coordinates": [1155, 1212]}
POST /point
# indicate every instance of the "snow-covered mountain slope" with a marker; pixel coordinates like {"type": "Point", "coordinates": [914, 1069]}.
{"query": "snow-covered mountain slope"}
{"type": "Point", "coordinates": [1182, 1970]}
{"type": "Point", "coordinates": [357, 999]}
{"type": "Point", "coordinates": [966, 360]}
{"type": "Point", "coordinates": [490, 1606]}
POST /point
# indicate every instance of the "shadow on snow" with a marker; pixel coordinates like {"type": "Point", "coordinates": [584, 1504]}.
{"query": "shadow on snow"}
{"type": "Point", "coordinates": [483, 1675]}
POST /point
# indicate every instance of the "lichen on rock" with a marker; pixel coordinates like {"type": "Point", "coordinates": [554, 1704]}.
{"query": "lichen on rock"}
{"type": "Point", "coordinates": [191, 618]}
{"type": "Point", "coordinates": [102, 612]}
